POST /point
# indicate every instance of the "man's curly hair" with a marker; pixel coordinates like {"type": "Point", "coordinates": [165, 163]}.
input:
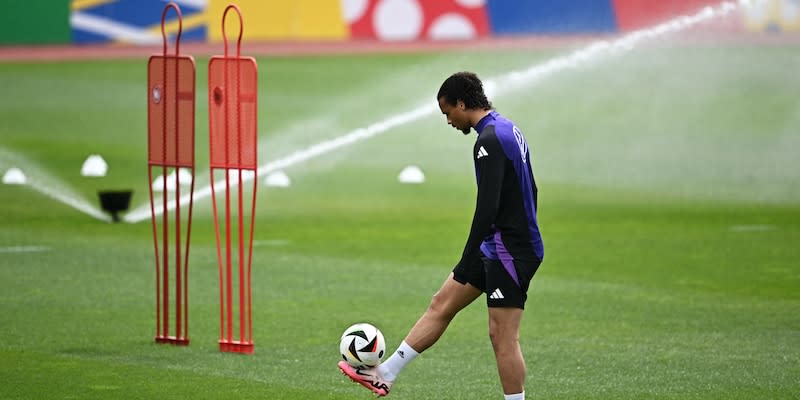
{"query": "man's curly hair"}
{"type": "Point", "coordinates": [467, 87]}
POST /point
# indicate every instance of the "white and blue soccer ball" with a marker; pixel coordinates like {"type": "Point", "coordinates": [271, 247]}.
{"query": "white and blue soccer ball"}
{"type": "Point", "coordinates": [362, 345]}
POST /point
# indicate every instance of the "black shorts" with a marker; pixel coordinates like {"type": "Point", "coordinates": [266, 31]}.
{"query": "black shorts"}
{"type": "Point", "coordinates": [492, 277]}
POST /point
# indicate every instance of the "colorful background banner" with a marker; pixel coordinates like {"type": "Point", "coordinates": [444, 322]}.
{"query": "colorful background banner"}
{"type": "Point", "coordinates": [279, 20]}
{"type": "Point", "coordinates": [35, 22]}
{"type": "Point", "coordinates": [134, 21]}
{"type": "Point", "coordinates": [139, 21]}
{"type": "Point", "coordinates": [510, 17]}
{"type": "Point", "coordinates": [398, 20]}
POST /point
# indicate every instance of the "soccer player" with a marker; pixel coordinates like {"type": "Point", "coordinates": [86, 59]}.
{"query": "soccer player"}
{"type": "Point", "coordinates": [503, 251]}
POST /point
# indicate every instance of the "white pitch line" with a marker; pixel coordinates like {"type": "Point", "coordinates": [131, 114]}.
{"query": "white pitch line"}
{"type": "Point", "coordinates": [24, 249]}
{"type": "Point", "coordinates": [507, 82]}
{"type": "Point", "coordinates": [752, 228]}
{"type": "Point", "coordinates": [272, 242]}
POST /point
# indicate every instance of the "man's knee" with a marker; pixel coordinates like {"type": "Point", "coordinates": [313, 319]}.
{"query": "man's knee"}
{"type": "Point", "coordinates": [504, 328]}
{"type": "Point", "coordinates": [451, 298]}
{"type": "Point", "coordinates": [502, 334]}
{"type": "Point", "coordinates": [440, 307]}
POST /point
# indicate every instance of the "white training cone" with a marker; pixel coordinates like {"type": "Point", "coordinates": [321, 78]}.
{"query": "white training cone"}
{"type": "Point", "coordinates": [411, 174]}
{"type": "Point", "coordinates": [14, 176]}
{"type": "Point", "coordinates": [233, 174]}
{"type": "Point", "coordinates": [278, 179]}
{"type": "Point", "coordinates": [94, 166]}
{"type": "Point", "coordinates": [185, 175]}
{"type": "Point", "coordinates": [158, 184]}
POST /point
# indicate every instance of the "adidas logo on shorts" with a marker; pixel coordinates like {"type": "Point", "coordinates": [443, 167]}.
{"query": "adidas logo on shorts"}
{"type": "Point", "coordinates": [497, 294]}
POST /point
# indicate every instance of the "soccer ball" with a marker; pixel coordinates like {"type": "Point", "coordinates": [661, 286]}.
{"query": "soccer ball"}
{"type": "Point", "coordinates": [362, 345]}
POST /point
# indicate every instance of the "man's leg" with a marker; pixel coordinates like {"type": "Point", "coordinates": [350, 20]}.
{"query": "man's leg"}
{"type": "Point", "coordinates": [504, 332]}
{"type": "Point", "coordinates": [451, 298]}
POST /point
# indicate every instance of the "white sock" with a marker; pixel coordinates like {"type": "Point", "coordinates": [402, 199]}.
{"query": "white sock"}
{"type": "Point", "coordinates": [392, 367]}
{"type": "Point", "coordinates": [518, 396]}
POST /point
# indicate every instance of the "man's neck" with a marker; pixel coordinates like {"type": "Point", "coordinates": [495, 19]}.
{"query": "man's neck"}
{"type": "Point", "coordinates": [476, 116]}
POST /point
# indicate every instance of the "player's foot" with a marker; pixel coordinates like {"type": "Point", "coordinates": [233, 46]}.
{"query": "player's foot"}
{"type": "Point", "coordinates": [367, 377]}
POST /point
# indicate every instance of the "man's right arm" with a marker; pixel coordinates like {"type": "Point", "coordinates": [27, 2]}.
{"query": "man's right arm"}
{"type": "Point", "coordinates": [491, 164]}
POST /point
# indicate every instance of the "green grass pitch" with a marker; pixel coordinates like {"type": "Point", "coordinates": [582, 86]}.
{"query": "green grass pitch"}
{"type": "Point", "coordinates": [669, 201]}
